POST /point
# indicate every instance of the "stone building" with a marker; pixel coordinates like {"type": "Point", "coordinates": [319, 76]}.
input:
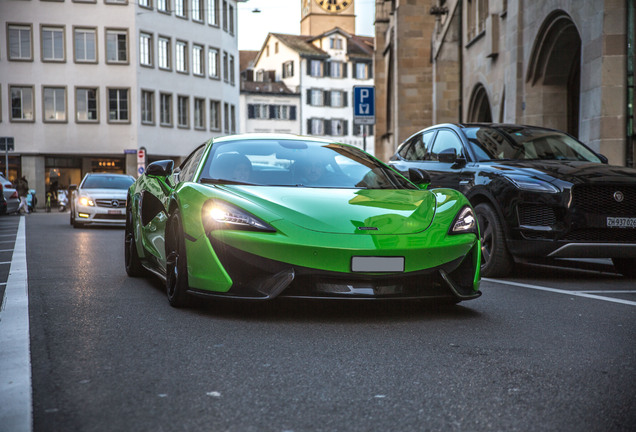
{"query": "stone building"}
{"type": "Point", "coordinates": [565, 64]}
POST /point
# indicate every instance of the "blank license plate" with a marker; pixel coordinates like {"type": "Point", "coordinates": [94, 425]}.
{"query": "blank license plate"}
{"type": "Point", "coordinates": [114, 211]}
{"type": "Point", "coordinates": [621, 222]}
{"type": "Point", "coordinates": [377, 264]}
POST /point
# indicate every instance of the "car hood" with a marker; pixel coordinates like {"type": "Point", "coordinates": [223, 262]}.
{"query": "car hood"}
{"type": "Point", "coordinates": [345, 211]}
{"type": "Point", "coordinates": [104, 193]}
{"type": "Point", "coordinates": [575, 172]}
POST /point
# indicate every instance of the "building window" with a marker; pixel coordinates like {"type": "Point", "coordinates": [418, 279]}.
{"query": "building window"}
{"type": "Point", "coordinates": [86, 105]}
{"type": "Point", "coordinates": [165, 108]}
{"type": "Point", "coordinates": [226, 118]}
{"type": "Point", "coordinates": [163, 6]}
{"type": "Point", "coordinates": [85, 45]}
{"type": "Point", "coordinates": [316, 126]}
{"type": "Point", "coordinates": [197, 10]}
{"type": "Point", "coordinates": [336, 69]}
{"type": "Point", "coordinates": [145, 4]}
{"type": "Point", "coordinates": [215, 115]}
{"type": "Point", "coordinates": [54, 104]}
{"type": "Point", "coordinates": [147, 107]}
{"type": "Point", "coordinates": [359, 130]}
{"type": "Point", "coordinates": [145, 49]}
{"type": "Point", "coordinates": [338, 98]}
{"type": "Point", "coordinates": [20, 42]}
{"type": "Point", "coordinates": [181, 57]}
{"type": "Point", "coordinates": [116, 46]}
{"type": "Point", "coordinates": [198, 60]}
{"type": "Point", "coordinates": [288, 69]}
{"type": "Point", "coordinates": [199, 113]}
{"type": "Point", "coordinates": [315, 68]}
{"type": "Point", "coordinates": [180, 8]}
{"type": "Point", "coordinates": [476, 14]}
{"type": "Point", "coordinates": [335, 43]}
{"type": "Point", "coordinates": [224, 15]}
{"type": "Point", "coordinates": [53, 44]}
{"type": "Point", "coordinates": [183, 113]}
{"type": "Point", "coordinates": [338, 127]}
{"type": "Point", "coordinates": [21, 103]}
{"type": "Point", "coordinates": [213, 12]}
{"type": "Point", "coordinates": [213, 63]}
{"type": "Point", "coordinates": [230, 19]}
{"type": "Point", "coordinates": [316, 97]}
{"type": "Point", "coordinates": [163, 53]}
{"type": "Point", "coordinates": [362, 71]}
{"type": "Point", "coordinates": [118, 105]}
{"type": "Point", "coordinates": [233, 119]}
{"type": "Point", "coordinates": [225, 67]}
{"type": "Point", "coordinates": [231, 66]}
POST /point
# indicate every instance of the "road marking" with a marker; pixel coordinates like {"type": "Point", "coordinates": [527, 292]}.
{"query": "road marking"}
{"type": "Point", "coordinates": [5, 262]}
{"type": "Point", "coordinates": [559, 291]}
{"type": "Point", "coordinates": [609, 292]}
{"type": "Point", "coordinates": [16, 413]}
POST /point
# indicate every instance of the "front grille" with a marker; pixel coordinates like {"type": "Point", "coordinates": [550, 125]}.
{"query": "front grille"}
{"type": "Point", "coordinates": [599, 200]}
{"type": "Point", "coordinates": [602, 235]}
{"type": "Point", "coordinates": [110, 216]}
{"type": "Point", "coordinates": [111, 203]}
{"type": "Point", "coordinates": [536, 215]}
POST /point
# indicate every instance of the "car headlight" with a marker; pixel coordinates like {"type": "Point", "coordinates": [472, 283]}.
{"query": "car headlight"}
{"type": "Point", "coordinates": [532, 184]}
{"type": "Point", "coordinates": [464, 223]}
{"type": "Point", "coordinates": [222, 215]}
{"type": "Point", "coordinates": [86, 201]}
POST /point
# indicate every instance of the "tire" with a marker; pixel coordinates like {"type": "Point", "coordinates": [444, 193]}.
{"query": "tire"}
{"type": "Point", "coordinates": [176, 263]}
{"type": "Point", "coordinates": [496, 261]}
{"type": "Point", "coordinates": [625, 266]}
{"type": "Point", "coordinates": [132, 261]}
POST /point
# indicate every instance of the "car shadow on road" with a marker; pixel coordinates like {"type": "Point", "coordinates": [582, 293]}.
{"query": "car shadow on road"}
{"type": "Point", "coordinates": [566, 270]}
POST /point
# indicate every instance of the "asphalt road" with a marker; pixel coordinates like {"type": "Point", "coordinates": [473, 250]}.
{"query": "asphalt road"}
{"type": "Point", "coordinates": [108, 353]}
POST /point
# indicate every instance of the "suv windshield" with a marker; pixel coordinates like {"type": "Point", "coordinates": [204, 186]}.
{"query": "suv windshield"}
{"type": "Point", "coordinates": [297, 163]}
{"type": "Point", "coordinates": [525, 143]}
{"type": "Point", "coordinates": [107, 182]}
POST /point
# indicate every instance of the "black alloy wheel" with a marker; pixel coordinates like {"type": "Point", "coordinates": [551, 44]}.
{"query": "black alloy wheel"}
{"type": "Point", "coordinates": [131, 256]}
{"type": "Point", "coordinates": [495, 259]}
{"type": "Point", "coordinates": [176, 263]}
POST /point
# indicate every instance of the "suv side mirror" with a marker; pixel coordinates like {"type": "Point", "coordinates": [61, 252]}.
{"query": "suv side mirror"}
{"type": "Point", "coordinates": [162, 168]}
{"type": "Point", "coordinates": [419, 177]}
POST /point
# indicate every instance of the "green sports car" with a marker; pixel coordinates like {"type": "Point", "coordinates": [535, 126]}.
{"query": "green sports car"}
{"type": "Point", "coordinates": [266, 216]}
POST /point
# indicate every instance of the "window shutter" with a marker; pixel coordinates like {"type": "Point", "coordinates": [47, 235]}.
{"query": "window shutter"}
{"type": "Point", "coordinates": [291, 69]}
{"type": "Point", "coordinates": [292, 112]}
{"type": "Point", "coordinates": [309, 131]}
{"type": "Point", "coordinates": [326, 68]}
{"type": "Point", "coordinates": [327, 98]}
{"type": "Point", "coordinates": [370, 69]}
{"type": "Point", "coordinates": [250, 111]}
{"type": "Point", "coordinates": [345, 127]}
{"type": "Point", "coordinates": [344, 99]}
{"type": "Point", "coordinates": [345, 67]}
{"type": "Point", "coordinates": [327, 127]}
{"type": "Point", "coordinates": [308, 66]}
{"type": "Point", "coordinates": [272, 113]}
{"type": "Point", "coordinates": [308, 96]}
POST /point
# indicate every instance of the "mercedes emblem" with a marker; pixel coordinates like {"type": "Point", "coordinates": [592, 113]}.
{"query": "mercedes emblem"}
{"type": "Point", "coordinates": [115, 203]}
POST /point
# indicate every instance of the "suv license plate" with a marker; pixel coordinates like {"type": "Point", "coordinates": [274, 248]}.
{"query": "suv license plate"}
{"type": "Point", "coordinates": [621, 222]}
{"type": "Point", "coordinates": [114, 211]}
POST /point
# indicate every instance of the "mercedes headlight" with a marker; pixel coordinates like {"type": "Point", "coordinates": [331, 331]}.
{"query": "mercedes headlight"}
{"type": "Point", "coordinates": [86, 201]}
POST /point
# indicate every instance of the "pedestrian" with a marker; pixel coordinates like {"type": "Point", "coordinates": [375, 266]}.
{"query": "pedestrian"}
{"type": "Point", "coordinates": [23, 190]}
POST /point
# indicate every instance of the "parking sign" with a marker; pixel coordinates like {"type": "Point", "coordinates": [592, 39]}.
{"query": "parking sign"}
{"type": "Point", "coordinates": [364, 105]}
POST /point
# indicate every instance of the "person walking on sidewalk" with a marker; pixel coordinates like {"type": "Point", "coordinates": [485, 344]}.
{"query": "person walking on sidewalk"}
{"type": "Point", "coordinates": [22, 186]}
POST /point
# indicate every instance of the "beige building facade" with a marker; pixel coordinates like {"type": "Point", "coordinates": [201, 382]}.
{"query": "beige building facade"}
{"type": "Point", "coordinates": [563, 64]}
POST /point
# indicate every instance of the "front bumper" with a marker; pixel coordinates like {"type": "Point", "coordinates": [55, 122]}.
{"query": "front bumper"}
{"type": "Point", "coordinates": [100, 215]}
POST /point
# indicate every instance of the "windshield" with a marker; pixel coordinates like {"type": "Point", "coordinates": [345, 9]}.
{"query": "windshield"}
{"type": "Point", "coordinates": [526, 143]}
{"type": "Point", "coordinates": [297, 163]}
{"type": "Point", "coordinates": [107, 182]}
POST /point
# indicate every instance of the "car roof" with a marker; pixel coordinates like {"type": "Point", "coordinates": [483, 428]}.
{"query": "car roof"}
{"type": "Point", "coordinates": [272, 136]}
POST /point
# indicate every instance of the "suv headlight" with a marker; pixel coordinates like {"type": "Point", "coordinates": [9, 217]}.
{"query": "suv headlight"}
{"type": "Point", "coordinates": [532, 185]}
{"type": "Point", "coordinates": [465, 222]}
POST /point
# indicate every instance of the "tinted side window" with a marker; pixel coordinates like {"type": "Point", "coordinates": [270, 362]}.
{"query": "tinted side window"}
{"type": "Point", "coordinates": [419, 147]}
{"type": "Point", "coordinates": [447, 139]}
{"type": "Point", "coordinates": [189, 167]}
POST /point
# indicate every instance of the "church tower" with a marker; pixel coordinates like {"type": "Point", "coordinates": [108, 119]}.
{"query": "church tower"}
{"type": "Point", "coordinates": [320, 16]}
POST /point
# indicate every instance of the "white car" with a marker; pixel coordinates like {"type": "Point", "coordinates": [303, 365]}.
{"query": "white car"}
{"type": "Point", "coordinates": [10, 195]}
{"type": "Point", "coordinates": [100, 199]}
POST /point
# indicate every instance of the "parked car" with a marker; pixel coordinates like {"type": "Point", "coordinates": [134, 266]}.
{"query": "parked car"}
{"type": "Point", "coordinates": [267, 216]}
{"type": "Point", "coordinates": [10, 195]}
{"type": "Point", "coordinates": [537, 192]}
{"type": "Point", "coordinates": [100, 199]}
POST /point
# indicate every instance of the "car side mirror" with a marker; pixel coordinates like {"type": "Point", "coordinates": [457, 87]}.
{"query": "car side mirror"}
{"type": "Point", "coordinates": [162, 168]}
{"type": "Point", "coordinates": [72, 188]}
{"type": "Point", "coordinates": [603, 158]}
{"type": "Point", "coordinates": [448, 155]}
{"type": "Point", "coordinates": [419, 177]}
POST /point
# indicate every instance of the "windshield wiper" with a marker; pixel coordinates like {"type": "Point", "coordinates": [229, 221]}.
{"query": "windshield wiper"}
{"type": "Point", "coordinates": [225, 181]}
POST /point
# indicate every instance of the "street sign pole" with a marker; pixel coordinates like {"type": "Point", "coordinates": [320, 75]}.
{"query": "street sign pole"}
{"type": "Point", "coordinates": [8, 144]}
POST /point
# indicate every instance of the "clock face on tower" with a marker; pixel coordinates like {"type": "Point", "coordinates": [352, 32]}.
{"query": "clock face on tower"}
{"type": "Point", "coordinates": [334, 6]}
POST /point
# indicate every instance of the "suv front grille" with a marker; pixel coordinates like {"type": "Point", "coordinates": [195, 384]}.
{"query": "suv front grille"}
{"type": "Point", "coordinates": [599, 200]}
{"type": "Point", "coordinates": [602, 235]}
{"type": "Point", "coordinates": [536, 215]}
